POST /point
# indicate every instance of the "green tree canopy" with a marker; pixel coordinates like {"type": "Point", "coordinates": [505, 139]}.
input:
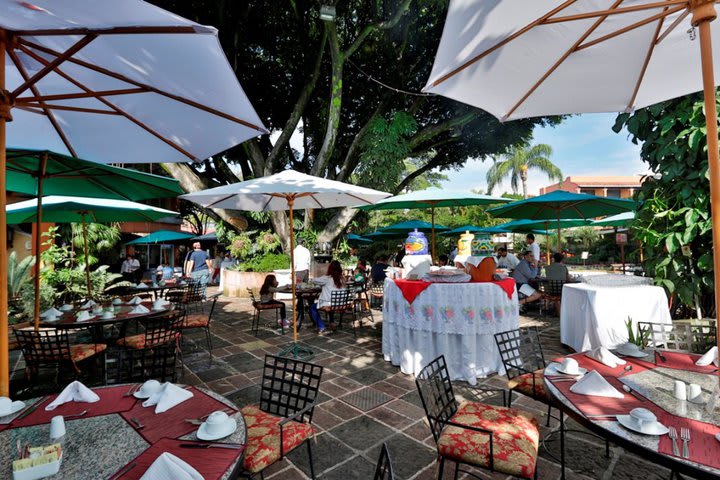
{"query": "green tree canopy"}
{"type": "Point", "coordinates": [516, 163]}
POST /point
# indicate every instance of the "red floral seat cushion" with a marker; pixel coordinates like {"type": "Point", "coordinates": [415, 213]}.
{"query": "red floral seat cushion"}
{"type": "Point", "coordinates": [515, 439]}
{"type": "Point", "coordinates": [82, 351]}
{"type": "Point", "coordinates": [263, 438]}
{"type": "Point", "coordinates": [524, 384]}
{"type": "Point", "coordinates": [135, 341]}
{"type": "Point", "coordinates": [195, 320]}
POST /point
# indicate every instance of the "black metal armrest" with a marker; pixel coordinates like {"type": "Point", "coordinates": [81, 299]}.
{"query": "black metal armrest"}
{"type": "Point", "coordinates": [213, 297]}
{"type": "Point", "coordinates": [292, 417]}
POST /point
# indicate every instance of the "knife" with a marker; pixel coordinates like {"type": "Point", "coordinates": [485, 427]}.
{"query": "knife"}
{"type": "Point", "coordinates": [30, 409]}
{"type": "Point", "coordinates": [232, 446]}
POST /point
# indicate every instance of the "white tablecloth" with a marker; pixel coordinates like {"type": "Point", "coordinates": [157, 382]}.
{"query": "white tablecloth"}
{"type": "Point", "coordinates": [593, 315]}
{"type": "Point", "coordinates": [614, 280]}
{"type": "Point", "coordinates": [451, 319]}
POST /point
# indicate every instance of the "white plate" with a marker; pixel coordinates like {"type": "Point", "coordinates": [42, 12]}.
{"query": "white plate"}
{"type": "Point", "coordinates": [15, 407]}
{"type": "Point", "coordinates": [581, 371]}
{"type": "Point", "coordinates": [140, 395]}
{"type": "Point", "coordinates": [230, 428]}
{"type": "Point", "coordinates": [639, 354]}
{"type": "Point", "coordinates": [655, 428]}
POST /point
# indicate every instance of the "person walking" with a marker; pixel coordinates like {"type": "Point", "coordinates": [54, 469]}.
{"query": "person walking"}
{"type": "Point", "coordinates": [197, 267]}
{"type": "Point", "coordinates": [533, 247]}
{"type": "Point", "coordinates": [303, 258]}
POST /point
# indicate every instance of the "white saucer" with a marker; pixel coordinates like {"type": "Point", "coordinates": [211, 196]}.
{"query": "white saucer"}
{"type": "Point", "coordinates": [581, 371]}
{"type": "Point", "coordinates": [15, 407]}
{"type": "Point", "coordinates": [636, 354]}
{"type": "Point", "coordinates": [230, 428]}
{"type": "Point", "coordinates": [655, 428]}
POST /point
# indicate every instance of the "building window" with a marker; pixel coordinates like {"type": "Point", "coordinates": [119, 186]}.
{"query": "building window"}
{"type": "Point", "coordinates": [589, 191]}
{"type": "Point", "coordinates": [613, 193]}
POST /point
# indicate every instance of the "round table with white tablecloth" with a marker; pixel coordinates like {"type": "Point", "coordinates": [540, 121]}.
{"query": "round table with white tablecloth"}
{"type": "Point", "coordinates": [458, 320]}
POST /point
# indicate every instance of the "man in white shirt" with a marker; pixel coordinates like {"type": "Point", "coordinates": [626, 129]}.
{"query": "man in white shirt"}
{"type": "Point", "coordinates": [533, 247]}
{"type": "Point", "coordinates": [130, 268]}
{"type": "Point", "coordinates": [505, 259]}
{"type": "Point", "coordinates": [303, 258]}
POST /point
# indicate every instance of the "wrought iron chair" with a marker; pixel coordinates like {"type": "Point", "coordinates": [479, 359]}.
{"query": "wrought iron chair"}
{"type": "Point", "coordinates": [283, 419]}
{"type": "Point", "coordinates": [383, 469]}
{"type": "Point", "coordinates": [193, 321]}
{"type": "Point", "coordinates": [679, 337]}
{"type": "Point", "coordinates": [499, 439]}
{"type": "Point", "coordinates": [551, 291]}
{"type": "Point", "coordinates": [377, 293]}
{"type": "Point", "coordinates": [362, 304]}
{"type": "Point", "coordinates": [51, 348]}
{"type": "Point", "coordinates": [341, 302]}
{"type": "Point", "coordinates": [263, 307]}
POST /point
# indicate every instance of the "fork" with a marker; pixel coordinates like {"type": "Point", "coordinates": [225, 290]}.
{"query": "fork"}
{"type": "Point", "coordinates": [685, 436]}
{"type": "Point", "coordinates": [672, 433]}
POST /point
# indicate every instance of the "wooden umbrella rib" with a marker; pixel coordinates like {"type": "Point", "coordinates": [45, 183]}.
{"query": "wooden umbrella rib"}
{"type": "Point", "coordinates": [645, 64]}
{"type": "Point", "coordinates": [672, 26]}
{"type": "Point", "coordinates": [108, 31]}
{"type": "Point", "coordinates": [614, 10]}
{"type": "Point", "coordinates": [74, 96]}
{"type": "Point", "coordinates": [559, 62]}
{"type": "Point", "coordinates": [149, 88]}
{"type": "Point", "coordinates": [33, 88]}
{"type": "Point", "coordinates": [502, 43]}
{"type": "Point", "coordinates": [48, 107]}
{"type": "Point", "coordinates": [29, 109]}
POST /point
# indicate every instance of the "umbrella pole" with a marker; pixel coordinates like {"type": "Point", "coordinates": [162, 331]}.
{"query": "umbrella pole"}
{"type": "Point", "coordinates": [87, 262]}
{"type": "Point", "coordinates": [703, 13]}
{"type": "Point", "coordinates": [559, 237]}
{"type": "Point", "coordinates": [432, 233]}
{"type": "Point", "coordinates": [38, 227]}
{"type": "Point", "coordinates": [5, 116]}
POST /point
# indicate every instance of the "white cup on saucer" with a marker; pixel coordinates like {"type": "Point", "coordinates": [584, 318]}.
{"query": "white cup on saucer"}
{"type": "Point", "coordinates": [570, 366]}
{"type": "Point", "coordinates": [66, 308]}
{"type": "Point", "coordinates": [218, 425]}
{"type": "Point", "coordinates": [643, 418]}
{"type": "Point", "coordinates": [680, 390]}
{"type": "Point", "coordinates": [117, 301]}
{"type": "Point", "coordinates": [108, 314]}
{"type": "Point", "coordinates": [147, 389]}
{"type": "Point", "coordinates": [8, 407]}
{"type": "Point", "coordinates": [57, 427]}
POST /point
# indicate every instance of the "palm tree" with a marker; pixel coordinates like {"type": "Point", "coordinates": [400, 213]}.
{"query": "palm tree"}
{"type": "Point", "coordinates": [516, 163]}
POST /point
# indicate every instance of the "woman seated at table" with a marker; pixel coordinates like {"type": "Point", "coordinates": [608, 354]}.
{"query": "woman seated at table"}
{"type": "Point", "coordinates": [525, 271]}
{"type": "Point", "coordinates": [267, 296]}
{"type": "Point", "coordinates": [330, 282]}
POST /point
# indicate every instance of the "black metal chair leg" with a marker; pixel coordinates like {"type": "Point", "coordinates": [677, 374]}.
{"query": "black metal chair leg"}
{"type": "Point", "coordinates": [457, 470]}
{"type": "Point", "coordinates": [548, 416]}
{"type": "Point", "coordinates": [440, 468]}
{"type": "Point", "coordinates": [562, 445]}
{"type": "Point", "coordinates": [312, 467]}
{"type": "Point", "coordinates": [209, 342]}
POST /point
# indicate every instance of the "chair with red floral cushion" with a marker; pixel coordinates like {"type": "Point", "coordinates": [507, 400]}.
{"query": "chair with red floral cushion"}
{"type": "Point", "coordinates": [201, 320]}
{"type": "Point", "coordinates": [49, 347]}
{"type": "Point", "coordinates": [283, 419]}
{"type": "Point", "coordinates": [499, 439]}
{"type": "Point", "coordinates": [260, 307]}
{"type": "Point", "coordinates": [522, 356]}
{"type": "Point", "coordinates": [153, 353]}
{"type": "Point", "coordinates": [383, 468]}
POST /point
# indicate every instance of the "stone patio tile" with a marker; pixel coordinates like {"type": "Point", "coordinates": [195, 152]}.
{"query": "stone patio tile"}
{"type": "Point", "coordinates": [389, 388]}
{"type": "Point", "coordinates": [362, 432]}
{"type": "Point", "coordinates": [403, 381]}
{"type": "Point", "coordinates": [244, 362]}
{"type": "Point", "coordinates": [214, 373]}
{"type": "Point", "coordinates": [420, 431]}
{"type": "Point", "coordinates": [324, 419]}
{"type": "Point", "coordinates": [368, 376]}
{"type": "Point", "coordinates": [366, 398]}
{"type": "Point", "coordinates": [407, 409]}
{"type": "Point", "coordinates": [390, 418]}
{"type": "Point", "coordinates": [250, 346]}
{"type": "Point", "coordinates": [408, 456]}
{"type": "Point", "coordinates": [332, 389]}
{"type": "Point", "coordinates": [328, 452]}
{"type": "Point", "coordinates": [357, 468]}
{"type": "Point", "coordinates": [347, 383]}
{"type": "Point", "coordinates": [340, 409]}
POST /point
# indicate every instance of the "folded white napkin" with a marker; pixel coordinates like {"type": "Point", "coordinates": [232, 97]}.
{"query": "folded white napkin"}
{"type": "Point", "coordinates": [710, 356]}
{"type": "Point", "coordinates": [117, 301]}
{"type": "Point", "coordinates": [167, 397]}
{"type": "Point", "coordinates": [134, 301]}
{"type": "Point", "coordinates": [53, 312]}
{"type": "Point", "coordinates": [139, 309]}
{"type": "Point", "coordinates": [169, 467]}
{"type": "Point", "coordinates": [141, 285]}
{"type": "Point", "coordinates": [605, 356]}
{"type": "Point", "coordinates": [67, 307]}
{"type": "Point", "coordinates": [595, 384]}
{"type": "Point", "coordinates": [89, 304]}
{"type": "Point", "coordinates": [161, 302]}
{"type": "Point", "coordinates": [83, 316]}
{"type": "Point", "coordinates": [75, 392]}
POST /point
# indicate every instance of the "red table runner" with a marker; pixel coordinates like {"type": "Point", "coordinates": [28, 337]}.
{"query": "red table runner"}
{"type": "Point", "coordinates": [704, 448]}
{"type": "Point", "coordinates": [507, 284]}
{"type": "Point", "coordinates": [211, 463]}
{"type": "Point", "coordinates": [411, 288]}
{"type": "Point", "coordinates": [172, 423]}
{"type": "Point", "coordinates": [111, 401]}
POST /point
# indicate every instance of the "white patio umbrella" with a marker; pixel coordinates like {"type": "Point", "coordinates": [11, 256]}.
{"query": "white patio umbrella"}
{"type": "Point", "coordinates": [287, 190]}
{"type": "Point", "coordinates": [528, 58]}
{"type": "Point", "coordinates": [112, 81]}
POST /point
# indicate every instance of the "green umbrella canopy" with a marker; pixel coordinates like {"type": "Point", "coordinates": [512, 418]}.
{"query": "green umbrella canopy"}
{"type": "Point", "coordinates": [408, 226]}
{"type": "Point", "coordinates": [355, 240]}
{"type": "Point", "coordinates": [59, 209]}
{"type": "Point", "coordinates": [562, 204]}
{"type": "Point", "coordinates": [540, 226]}
{"type": "Point", "coordinates": [432, 198]}
{"type": "Point", "coordinates": [161, 236]}
{"type": "Point", "coordinates": [64, 174]}
{"type": "Point", "coordinates": [619, 220]}
{"type": "Point", "coordinates": [474, 229]}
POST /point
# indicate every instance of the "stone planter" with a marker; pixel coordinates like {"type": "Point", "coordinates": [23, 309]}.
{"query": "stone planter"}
{"type": "Point", "coordinates": [235, 284]}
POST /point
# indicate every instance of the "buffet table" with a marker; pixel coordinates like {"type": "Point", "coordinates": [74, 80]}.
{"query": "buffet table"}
{"type": "Point", "coordinates": [593, 315]}
{"type": "Point", "coordinates": [457, 320]}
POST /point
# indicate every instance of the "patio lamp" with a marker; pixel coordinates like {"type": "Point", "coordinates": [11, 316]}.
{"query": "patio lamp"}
{"type": "Point", "coordinates": [327, 13]}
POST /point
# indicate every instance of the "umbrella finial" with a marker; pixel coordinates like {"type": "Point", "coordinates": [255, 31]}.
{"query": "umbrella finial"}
{"type": "Point", "coordinates": [703, 11]}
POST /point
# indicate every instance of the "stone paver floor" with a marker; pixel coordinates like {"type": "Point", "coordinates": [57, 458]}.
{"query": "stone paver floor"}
{"type": "Point", "coordinates": [366, 401]}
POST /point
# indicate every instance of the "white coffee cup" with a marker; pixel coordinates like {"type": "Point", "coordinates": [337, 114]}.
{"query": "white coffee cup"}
{"type": "Point", "coordinates": [57, 427]}
{"type": "Point", "coordinates": [5, 406]}
{"type": "Point", "coordinates": [216, 422]}
{"type": "Point", "coordinates": [66, 308]}
{"type": "Point", "coordinates": [570, 365]}
{"type": "Point", "coordinates": [694, 392]}
{"type": "Point", "coordinates": [149, 387]}
{"type": "Point", "coordinates": [680, 390]}
{"type": "Point", "coordinates": [643, 417]}
{"type": "Point", "coordinates": [117, 301]}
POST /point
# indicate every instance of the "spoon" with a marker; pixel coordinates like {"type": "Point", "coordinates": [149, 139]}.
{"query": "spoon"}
{"type": "Point", "coordinates": [74, 415]}
{"type": "Point", "coordinates": [632, 392]}
{"type": "Point", "coordinates": [626, 370]}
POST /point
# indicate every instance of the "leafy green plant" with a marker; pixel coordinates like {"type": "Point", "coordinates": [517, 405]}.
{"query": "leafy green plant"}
{"type": "Point", "coordinates": [639, 338]}
{"type": "Point", "coordinates": [265, 263]}
{"type": "Point", "coordinates": [18, 273]}
{"type": "Point", "coordinates": [48, 296]}
{"type": "Point", "coordinates": [71, 283]}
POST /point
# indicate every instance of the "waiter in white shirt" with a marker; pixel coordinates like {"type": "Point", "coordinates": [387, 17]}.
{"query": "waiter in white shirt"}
{"type": "Point", "coordinates": [505, 259]}
{"type": "Point", "coordinates": [533, 247]}
{"type": "Point", "coordinates": [302, 262]}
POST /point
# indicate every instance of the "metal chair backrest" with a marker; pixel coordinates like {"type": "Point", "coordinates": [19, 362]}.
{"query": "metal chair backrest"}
{"type": "Point", "coordinates": [436, 393]}
{"type": "Point", "coordinates": [520, 351]}
{"type": "Point", "coordinates": [383, 469]}
{"type": "Point", "coordinates": [552, 288]}
{"type": "Point", "coordinates": [288, 386]}
{"type": "Point", "coordinates": [178, 295]}
{"type": "Point", "coordinates": [162, 329]}
{"type": "Point", "coordinates": [341, 300]}
{"type": "Point", "coordinates": [253, 298]}
{"type": "Point", "coordinates": [46, 345]}
{"type": "Point", "coordinates": [679, 337]}
{"type": "Point", "coordinates": [195, 292]}
{"type": "Point", "coordinates": [377, 289]}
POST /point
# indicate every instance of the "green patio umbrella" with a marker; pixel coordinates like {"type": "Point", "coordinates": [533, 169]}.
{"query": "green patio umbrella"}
{"type": "Point", "coordinates": [400, 230]}
{"type": "Point", "coordinates": [472, 229]}
{"type": "Point", "coordinates": [356, 240]}
{"type": "Point", "coordinates": [161, 236]}
{"type": "Point", "coordinates": [560, 204]}
{"type": "Point", "coordinates": [619, 220]}
{"type": "Point", "coordinates": [432, 199]}
{"type": "Point", "coordinates": [59, 209]}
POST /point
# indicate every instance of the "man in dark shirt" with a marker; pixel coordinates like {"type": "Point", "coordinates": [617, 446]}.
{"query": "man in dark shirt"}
{"type": "Point", "coordinates": [377, 273]}
{"type": "Point", "coordinates": [198, 266]}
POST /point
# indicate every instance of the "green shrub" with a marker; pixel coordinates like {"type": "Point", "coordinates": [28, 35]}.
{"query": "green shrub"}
{"type": "Point", "coordinates": [266, 263]}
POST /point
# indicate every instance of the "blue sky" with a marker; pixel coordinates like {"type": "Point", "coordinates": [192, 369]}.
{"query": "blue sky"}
{"type": "Point", "coordinates": [582, 145]}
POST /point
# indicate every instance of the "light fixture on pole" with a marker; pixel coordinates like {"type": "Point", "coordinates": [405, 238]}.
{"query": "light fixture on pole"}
{"type": "Point", "coordinates": [327, 13]}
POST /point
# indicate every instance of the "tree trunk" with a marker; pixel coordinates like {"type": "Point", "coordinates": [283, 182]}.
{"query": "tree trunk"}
{"type": "Point", "coordinates": [337, 224]}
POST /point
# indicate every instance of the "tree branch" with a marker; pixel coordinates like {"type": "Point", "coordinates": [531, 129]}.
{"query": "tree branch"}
{"type": "Point", "coordinates": [384, 25]}
{"type": "Point", "coordinates": [437, 129]}
{"type": "Point", "coordinates": [351, 158]}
